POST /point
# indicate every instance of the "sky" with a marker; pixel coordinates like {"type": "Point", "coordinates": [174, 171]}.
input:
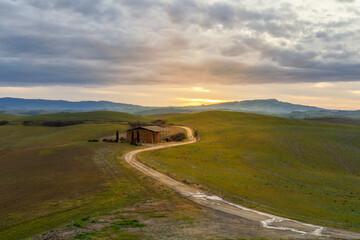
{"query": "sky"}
{"type": "Point", "coordinates": [181, 52]}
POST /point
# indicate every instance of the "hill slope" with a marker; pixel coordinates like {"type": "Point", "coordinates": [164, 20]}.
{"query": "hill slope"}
{"type": "Point", "coordinates": [51, 177]}
{"type": "Point", "coordinates": [96, 115]}
{"type": "Point", "coordinates": [263, 106]}
{"type": "Point", "coordinates": [61, 105]}
{"type": "Point", "coordinates": [18, 106]}
{"type": "Point", "coordinates": [300, 169]}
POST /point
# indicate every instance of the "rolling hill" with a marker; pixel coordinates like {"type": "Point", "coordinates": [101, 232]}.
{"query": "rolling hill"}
{"type": "Point", "coordinates": [54, 184]}
{"type": "Point", "coordinates": [61, 105]}
{"type": "Point", "coordinates": [33, 106]}
{"type": "Point", "coordinates": [263, 106]}
{"type": "Point", "coordinates": [25, 107]}
{"type": "Point", "coordinates": [85, 116]}
{"type": "Point", "coordinates": [52, 176]}
{"type": "Point", "coordinates": [300, 169]}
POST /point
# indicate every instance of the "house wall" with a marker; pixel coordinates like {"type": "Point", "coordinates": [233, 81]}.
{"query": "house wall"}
{"type": "Point", "coordinates": [144, 135]}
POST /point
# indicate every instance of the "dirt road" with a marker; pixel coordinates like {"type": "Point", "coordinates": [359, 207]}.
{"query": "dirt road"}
{"type": "Point", "coordinates": [295, 229]}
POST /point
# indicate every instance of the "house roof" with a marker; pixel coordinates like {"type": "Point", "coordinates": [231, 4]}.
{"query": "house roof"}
{"type": "Point", "coordinates": [151, 128]}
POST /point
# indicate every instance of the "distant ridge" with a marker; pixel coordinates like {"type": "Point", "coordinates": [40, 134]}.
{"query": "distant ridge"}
{"type": "Point", "coordinates": [20, 106]}
{"type": "Point", "coordinates": [62, 105]}
{"type": "Point", "coordinates": [266, 106]}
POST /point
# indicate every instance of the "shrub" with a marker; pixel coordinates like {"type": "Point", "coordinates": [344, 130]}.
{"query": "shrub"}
{"type": "Point", "coordinates": [85, 235]}
{"type": "Point", "coordinates": [52, 123]}
{"type": "Point", "coordinates": [61, 123]}
{"type": "Point", "coordinates": [4, 122]}
{"type": "Point", "coordinates": [138, 124]}
{"type": "Point", "coordinates": [127, 223]}
{"type": "Point", "coordinates": [159, 122]}
{"type": "Point", "coordinates": [196, 133]}
{"type": "Point", "coordinates": [31, 123]}
{"type": "Point", "coordinates": [178, 137]}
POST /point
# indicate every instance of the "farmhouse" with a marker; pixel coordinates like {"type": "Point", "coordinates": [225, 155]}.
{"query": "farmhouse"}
{"type": "Point", "coordinates": [146, 134]}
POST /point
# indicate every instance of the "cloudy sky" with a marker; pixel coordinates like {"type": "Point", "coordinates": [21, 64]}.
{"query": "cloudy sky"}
{"type": "Point", "coordinates": [182, 52]}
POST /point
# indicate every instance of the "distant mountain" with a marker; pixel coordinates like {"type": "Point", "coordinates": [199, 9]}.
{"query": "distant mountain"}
{"type": "Point", "coordinates": [264, 106]}
{"type": "Point", "coordinates": [61, 105]}
{"type": "Point", "coordinates": [322, 114]}
{"type": "Point", "coordinates": [19, 106]}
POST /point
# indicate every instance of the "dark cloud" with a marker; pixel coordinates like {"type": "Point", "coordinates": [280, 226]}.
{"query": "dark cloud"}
{"type": "Point", "coordinates": [97, 42]}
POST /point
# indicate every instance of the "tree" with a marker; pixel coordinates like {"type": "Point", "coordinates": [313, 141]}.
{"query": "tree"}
{"type": "Point", "coordinates": [117, 136]}
{"type": "Point", "coordinates": [196, 133]}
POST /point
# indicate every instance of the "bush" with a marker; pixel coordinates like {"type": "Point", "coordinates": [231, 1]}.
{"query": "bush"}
{"type": "Point", "coordinates": [196, 133]}
{"type": "Point", "coordinates": [61, 123]}
{"type": "Point", "coordinates": [31, 123]}
{"type": "Point", "coordinates": [178, 137]}
{"type": "Point", "coordinates": [52, 123]}
{"type": "Point", "coordinates": [4, 122]}
{"type": "Point", "coordinates": [159, 122]}
{"type": "Point", "coordinates": [138, 124]}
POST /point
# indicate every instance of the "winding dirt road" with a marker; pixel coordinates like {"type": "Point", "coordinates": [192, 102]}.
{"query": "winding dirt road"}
{"type": "Point", "coordinates": [269, 221]}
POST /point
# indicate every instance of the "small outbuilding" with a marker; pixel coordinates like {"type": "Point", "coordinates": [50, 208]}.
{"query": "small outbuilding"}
{"type": "Point", "coordinates": [146, 134]}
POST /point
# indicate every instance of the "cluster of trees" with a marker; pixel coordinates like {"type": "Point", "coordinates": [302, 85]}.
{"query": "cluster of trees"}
{"type": "Point", "coordinates": [158, 122]}
{"type": "Point", "coordinates": [138, 124]}
{"type": "Point", "coordinates": [117, 138]}
{"type": "Point", "coordinates": [178, 137]}
{"type": "Point", "coordinates": [52, 123]}
{"type": "Point", "coordinates": [196, 133]}
{"type": "Point", "coordinates": [4, 122]}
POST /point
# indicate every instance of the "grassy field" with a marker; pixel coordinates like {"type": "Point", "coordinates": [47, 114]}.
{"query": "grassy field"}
{"type": "Point", "coordinates": [52, 178]}
{"type": "Point", "coordinates": [90, 116]}
{"type": "Point", "coordinates": [7, 117]}
{"type": "Point", "coordinates": [47, 168]}
{"type": "Point", "coordinates": [349, 121]}
{"type": "Point", "coordinates": [51, 175]}
{"type": "Point", "coordinates": [164, 115]}
{"type": "Point", "coordinates": [295, 168]}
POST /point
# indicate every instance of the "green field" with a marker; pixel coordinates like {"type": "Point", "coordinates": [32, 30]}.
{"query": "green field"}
{"type": "Point", "coordinates": [349, 121]}
{"type": "Point", "coordinates": [300, 169]}
{"type": "Point", "coordinates": [89, 116]}
{"type": "Point", "coordinates": [48, 171]}
{"type": "Point", "coordinates": [51, 177]}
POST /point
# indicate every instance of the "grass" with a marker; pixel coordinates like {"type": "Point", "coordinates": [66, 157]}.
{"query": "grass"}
{"type": "Point", "coordinates": [89, 116]}
{"type": "Point", "coordinates": [127, 223]}
{"type": "Point", "coordinates": [85, 235]}
{"type": "Point", "coordinates": [338, 120]}
{"type": "Point", "coordinates": [52, 171]}
{"type": "Point", "coordinates": [7, 117]}
{"type": "Point", "coordinates": [51, 176]}
{"type": "Point", "coordinates": [163, 115]}
{"type": "Point", "coordinates": [300, 169]}
{"type": "Point", "coordinates": [118, 234]}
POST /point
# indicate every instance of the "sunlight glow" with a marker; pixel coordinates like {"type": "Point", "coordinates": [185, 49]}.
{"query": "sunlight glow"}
{"type": "Point", "coordinates": [200, 89]}
{"type": "Point", "coordinates": [199, 101]}
{"type": "Point", "coordinates": [323, 85]}
{"type": "Point", "coordinates": [355, 92]}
